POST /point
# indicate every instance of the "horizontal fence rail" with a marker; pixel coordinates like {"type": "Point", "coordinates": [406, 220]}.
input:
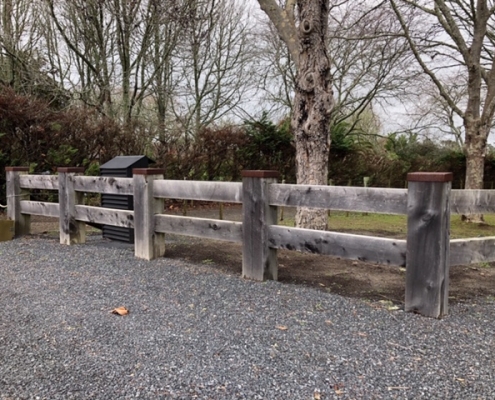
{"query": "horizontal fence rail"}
{"type": "Point", "coordinates": [344, 245]}
{"type": "Point", "coordinates": [199, 227]}
{"type": "Point", "coordinates": [46, 182]}
{"type": "Point", "coordinates": [472, 202]}
{"type": "Point", "coordinates": [472, 251]}
{"type": "Point", "coordinates": [428, 203]}
{"type": "Point", "coordinates": [40, 208]}
{"type": "Point", "coordinates": [104, 184]}
{"type": "Point", "coordinates": [228, 192]}
{"type": "Point", "coordinates": [105, 216]}
{"type": "Point", "coordinates": [343, 198]}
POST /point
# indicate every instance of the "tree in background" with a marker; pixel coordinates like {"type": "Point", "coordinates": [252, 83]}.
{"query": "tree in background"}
{"type": "Point", "coordinates": [449, 37]}
{"type": "Point", "coordinates": [371, 61]}
{"type": "Point", "coordinates": [302, 25]}
{"type": "Point", "coordinates": [370, 64]}
{"type": "Point", "coordinates": [23, 63]}
{"type": "Point", "coordinates": [213, 64]}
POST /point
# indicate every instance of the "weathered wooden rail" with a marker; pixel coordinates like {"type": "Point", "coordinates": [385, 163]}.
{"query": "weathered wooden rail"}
{"type": "Point", "coordinates": [428, 203]}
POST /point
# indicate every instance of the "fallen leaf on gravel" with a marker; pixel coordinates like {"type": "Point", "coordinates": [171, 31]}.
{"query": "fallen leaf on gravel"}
{"type": "Point", "coordinates": [282, 327]}
{"type": "Point", "coordinates": [339, 392]}
{"type": "Point", "coordinates": [120, 311]}
{"type": "Point", "coordinates": [316, 395]}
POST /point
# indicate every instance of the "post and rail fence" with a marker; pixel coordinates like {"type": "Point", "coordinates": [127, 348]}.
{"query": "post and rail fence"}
{"type": "Point", "coordinates": [428, 202]}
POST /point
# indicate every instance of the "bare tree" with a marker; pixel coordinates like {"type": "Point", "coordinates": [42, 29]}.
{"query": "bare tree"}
{"type": "Point", "coordinates": [371, 59]}
{"type": "Point", "coordinates": [277, 70]}
{"type": "Point", "coordinates": [302, 25]}
{"type": "Point", "coordinates": [118, 50]}
{"type": "Point", "coordinates": [87, 30]}
{"type": "Point", "coordinates": [431, 115]}
{"type": "Point", "coordinates": [24, 66]}
{"type": "Point", "coordinates": [453, 36]}
{"type": "Point", "coordinates": [215, 63]}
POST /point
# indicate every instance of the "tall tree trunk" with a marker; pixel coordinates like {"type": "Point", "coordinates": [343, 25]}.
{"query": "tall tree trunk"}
{"type": "Point", "coordinates": [313, 104]}
{"type": "Point", "coordinates": [474, 149]}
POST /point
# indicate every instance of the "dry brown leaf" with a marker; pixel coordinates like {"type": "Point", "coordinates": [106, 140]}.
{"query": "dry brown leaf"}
{"type": "Point", "coordinates": [317, 396]}
{"type": "Point", "coordinates": [339, 392]}
{"type": "Point", "coordinates": [282, 327]}
{"type": "Point", "coordinates": [120, 311]}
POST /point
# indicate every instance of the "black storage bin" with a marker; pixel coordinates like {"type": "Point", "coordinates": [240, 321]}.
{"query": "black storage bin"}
{"type": "Point", "coordinates": [122, 167]}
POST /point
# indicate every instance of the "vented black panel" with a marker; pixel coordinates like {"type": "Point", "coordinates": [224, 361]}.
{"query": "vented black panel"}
{"type": "Point", "coordinates": [122, 167]}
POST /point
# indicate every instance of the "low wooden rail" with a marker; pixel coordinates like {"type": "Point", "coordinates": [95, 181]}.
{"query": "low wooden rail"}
{"type": "Point", "coordinates": [428, 203]}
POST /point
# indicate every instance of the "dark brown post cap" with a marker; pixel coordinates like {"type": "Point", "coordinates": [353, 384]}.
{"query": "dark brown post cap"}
{"type": "Point", "coordinates": [16, 169]}
{"type": "Point", "coordinates": [430, 177]}
{"type": "Point", "coordinates": [69, 170]}
{"type": "Point", "coordinates": [260, 174]}
{"type": "Point", "coordinates": [148, 171]}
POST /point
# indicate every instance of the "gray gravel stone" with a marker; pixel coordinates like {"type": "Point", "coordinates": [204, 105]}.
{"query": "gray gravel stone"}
{"type": "Point", "coordinates": [194, 333]}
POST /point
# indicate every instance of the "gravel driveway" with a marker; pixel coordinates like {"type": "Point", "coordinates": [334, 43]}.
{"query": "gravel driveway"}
{"type": "Point", "coordinates": [194, 333]}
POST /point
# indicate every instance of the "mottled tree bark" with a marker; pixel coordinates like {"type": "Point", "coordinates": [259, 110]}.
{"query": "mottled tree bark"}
{"type": "Point", "coordinates": [313, 104]}
{"type": "Point", "coordinates": [475, 150]}
{"type": "Point", "coordinates": [302, 24]}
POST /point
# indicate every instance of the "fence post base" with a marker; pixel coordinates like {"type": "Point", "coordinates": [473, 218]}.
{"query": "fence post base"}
{"type": "Point", "coordinates": [22, 222]}
{"type": "Point", "coordinates": [259, 261]}
{"type": "Point", "coordinates": [428, 243]}
{"type": "Point", "coordinates": [148, 244]}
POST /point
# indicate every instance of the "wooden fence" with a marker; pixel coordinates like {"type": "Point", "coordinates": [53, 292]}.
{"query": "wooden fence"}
{"type": "Point", "coordinates": [428, 202]}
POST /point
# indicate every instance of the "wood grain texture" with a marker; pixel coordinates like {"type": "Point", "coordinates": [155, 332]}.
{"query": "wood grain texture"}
{"type": "Point", "coordinates": [472, 201]}
{"type": "Point", "coordinates": [259, 261]}
{"type": "Point", "coordinates": [199, 227]}
{"type": "Point", "coordinates": [15, 194]}
{"type": "Point", "coordinates": [148, 244]}
{"type": "Point", "coordinates": [428, 249]}
{"type": "Point", "coordinates": [345, 198]}
{"type": "Point", "coordinates": [104, 184]}
{"type": "Point", "coordinates": [40, 208]}
{"type": "Point", "coordinates": [344, 245]}
{"type": "Point", "coordinates": [72, 231]}
{"type": "Point", "coordinates": [472, 251]}
{"type": "Point", "coordinates": [47, 182]}
{"type": "Point", "coordinates": [230, 192]}
{"type": "Point", "coordinates": [105, 216]}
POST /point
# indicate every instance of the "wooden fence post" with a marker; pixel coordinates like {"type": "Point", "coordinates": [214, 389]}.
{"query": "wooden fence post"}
{"type": "Point", "coordinates": [148, 244]}
{"type": "Point", "coordinates": [259, 261]}
{"type": "Point", "coordinates": [71, 231]}
{"type": "Point", "coordinates": [22, 222]}
{"type": "Point", "coordinates": [428, 243]}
